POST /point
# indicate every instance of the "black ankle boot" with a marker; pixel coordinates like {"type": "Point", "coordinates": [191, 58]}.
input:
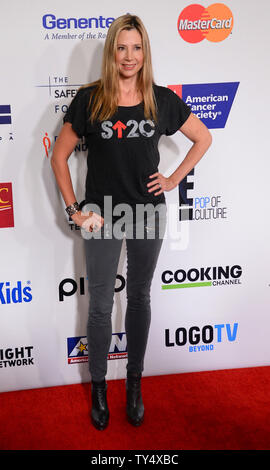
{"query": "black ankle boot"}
{"type": "Point", "coordinates": [100, 411]}
{"type": "Point", "coordinates": [135, 407]}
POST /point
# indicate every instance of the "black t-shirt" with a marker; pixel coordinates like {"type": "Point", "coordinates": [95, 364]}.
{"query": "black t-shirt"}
{"type": "Point", "coordinates": [123, 151]}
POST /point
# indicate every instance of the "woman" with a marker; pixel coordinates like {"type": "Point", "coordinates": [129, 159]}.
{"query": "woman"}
{"type": "Point", "coordinates": [122, 117]}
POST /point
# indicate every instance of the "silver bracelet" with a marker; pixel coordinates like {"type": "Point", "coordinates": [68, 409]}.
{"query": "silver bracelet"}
{"type": "Point", "coordinates": [72, 209]}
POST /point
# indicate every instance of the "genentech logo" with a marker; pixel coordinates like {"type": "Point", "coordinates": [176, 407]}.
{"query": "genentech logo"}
{"type": "Point", "coordinates": [211, 102]}
{"type": "Point", "coordinates": [6, 205]}
{"type": "Point", "coordinates": [196, 23]}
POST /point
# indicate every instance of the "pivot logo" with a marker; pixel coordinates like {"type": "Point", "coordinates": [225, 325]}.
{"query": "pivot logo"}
{"type": "Point", "coordinates": [206, 335]}
{"type": "Point", "coordinates": [18, 294]}
{"type": "Point", "coordinates": [201, 277]}
{"type": "Point", "coordinates": [65, 291]}
{"type": "Point", "coordinates": [211, 102]}
{"type": "Point", "coordinates": [196, 23]}
{"type": "Point", "coordinates": [6, 205]}
{"type": "Point", "coordinates": [77, 348]}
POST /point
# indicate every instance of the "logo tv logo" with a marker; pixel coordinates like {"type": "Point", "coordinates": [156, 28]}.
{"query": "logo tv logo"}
{"type": "Point", "coordinates": [6, 205]}
{"type": "Point", "coordinates": [196, 23]}
{"type": "Point", "coordinates": [78, 348]}
{"type": "Point", "coordinates": [211, 102]}
{"type": "Point", "coordinates": [206, 335]}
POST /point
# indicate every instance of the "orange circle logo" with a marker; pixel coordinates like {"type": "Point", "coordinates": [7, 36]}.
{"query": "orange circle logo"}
{"type": "Point", "coordinates": [196, 23]}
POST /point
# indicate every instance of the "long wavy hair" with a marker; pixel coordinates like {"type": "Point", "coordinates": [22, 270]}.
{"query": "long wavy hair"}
{"type": "Point", "coordinates": [103, 99]}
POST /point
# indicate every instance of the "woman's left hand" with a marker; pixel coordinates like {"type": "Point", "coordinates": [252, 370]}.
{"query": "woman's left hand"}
{"type": "Point", "coordinates": [160, 184]}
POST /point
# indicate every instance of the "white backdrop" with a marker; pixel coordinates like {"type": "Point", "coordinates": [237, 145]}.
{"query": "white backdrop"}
{"type": "Point", "coordinates": [225, 243]}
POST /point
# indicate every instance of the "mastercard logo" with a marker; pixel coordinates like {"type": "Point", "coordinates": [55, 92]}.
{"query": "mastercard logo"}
{"type": "Point", "coordinates": [213, 23]}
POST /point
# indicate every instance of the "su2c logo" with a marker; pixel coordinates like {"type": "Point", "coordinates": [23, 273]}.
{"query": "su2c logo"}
{"type": "Point", "coordinates": [137, 129]}
{"type": "Point", "coordinates": [196, 23]}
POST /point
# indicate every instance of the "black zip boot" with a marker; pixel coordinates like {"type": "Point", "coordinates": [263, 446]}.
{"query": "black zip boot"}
{"type": "Point", "coordinates": [135, 407]}
{"type": "Point", "coordinates": [100, 411]}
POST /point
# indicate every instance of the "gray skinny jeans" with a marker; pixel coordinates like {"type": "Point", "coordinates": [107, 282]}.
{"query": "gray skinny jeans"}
{"type": "Point", "coordinates": [102, 258]}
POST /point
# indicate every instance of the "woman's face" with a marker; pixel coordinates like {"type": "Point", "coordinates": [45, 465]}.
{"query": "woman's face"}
{"type": "Point", "coordinates": [129, 53]}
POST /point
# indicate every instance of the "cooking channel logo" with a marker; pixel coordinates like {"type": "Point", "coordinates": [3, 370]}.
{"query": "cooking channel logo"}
{"type": "Point", "coordinates": [77, 348]}
{"type": "Point", "coordinates": [211, 102]}
{"type": "Point", "coordinates": [201, 277]}
{"type": "Point", "coordinates": [213, 23]}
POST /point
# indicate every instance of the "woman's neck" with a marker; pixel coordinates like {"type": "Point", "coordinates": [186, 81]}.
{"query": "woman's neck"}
{"type": "Point", "coordinates": [128, 94]}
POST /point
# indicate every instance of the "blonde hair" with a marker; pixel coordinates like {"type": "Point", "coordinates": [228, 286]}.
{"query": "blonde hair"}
{"type": "Point", "coordinates": [105, 94]}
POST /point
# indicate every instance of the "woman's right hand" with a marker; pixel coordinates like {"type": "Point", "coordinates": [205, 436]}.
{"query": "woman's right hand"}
{"type": "Point", "coordinates": [90, 221]}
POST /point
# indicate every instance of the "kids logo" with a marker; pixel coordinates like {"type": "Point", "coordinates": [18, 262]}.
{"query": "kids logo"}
{"type": "Point", "coordinates": [196, 23]}
{"type": "Point", "coordinates": [211, 102]}
{"type": "Point", "coordinates": [6, 205]}
{"type": "Point", "coordinates": [15, 294]}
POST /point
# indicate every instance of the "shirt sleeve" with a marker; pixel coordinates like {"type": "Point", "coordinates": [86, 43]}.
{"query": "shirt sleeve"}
{"type": "Point", "coordinates": [177, 113]}
{"type": "Point", "coordinates": [76, 113]}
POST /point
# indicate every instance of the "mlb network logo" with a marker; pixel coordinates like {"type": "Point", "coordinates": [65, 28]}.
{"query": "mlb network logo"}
{"type": "Point", "coordinates": [77, 348]}
{"type": "Point", "coordinates": [211, 102]}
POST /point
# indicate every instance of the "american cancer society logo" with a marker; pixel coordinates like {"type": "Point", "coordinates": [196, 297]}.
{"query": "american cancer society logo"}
{"type": "Point", "coordinates": [77, 348]}
{"type": "Point", "coordinates": [211, 102]}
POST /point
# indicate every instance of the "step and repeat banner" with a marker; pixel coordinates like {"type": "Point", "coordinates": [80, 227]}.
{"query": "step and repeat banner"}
{"type": "Point", "coordinates": [211, 289]}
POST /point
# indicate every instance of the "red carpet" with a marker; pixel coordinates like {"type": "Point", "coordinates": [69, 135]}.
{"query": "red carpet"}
{"type": "Point", "coordinates": [217, 410]}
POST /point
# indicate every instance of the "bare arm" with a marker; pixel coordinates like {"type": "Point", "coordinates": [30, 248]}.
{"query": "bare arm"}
{"type": "Point", "coordinates": [198, 133]}
{"type": "Point", "coordinates": [63, 148]}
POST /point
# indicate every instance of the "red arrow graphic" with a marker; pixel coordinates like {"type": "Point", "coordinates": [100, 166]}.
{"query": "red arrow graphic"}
{"type": "Point", "coordinates": [119, 126]}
